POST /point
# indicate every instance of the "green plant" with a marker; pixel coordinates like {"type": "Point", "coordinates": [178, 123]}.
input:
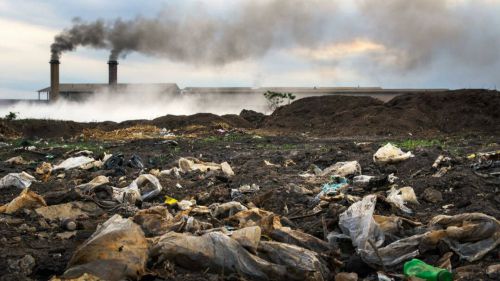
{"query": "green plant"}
{"type": "Point", "coordinates": [11, 116]}
{"type": "Point", "coordinates": [275, 99]}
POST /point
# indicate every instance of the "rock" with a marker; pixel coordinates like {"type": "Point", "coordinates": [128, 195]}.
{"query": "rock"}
{"type": "Point", "coordinates": [493, 271]}
{"type": "Point", "coordinates": [344, 276]}
{"type": "Point", "coordinates": [432, 195]}
{"type": "Point", "coordinates": [23, 266]}
{"type": "Point", "coordinates": [226, 169]}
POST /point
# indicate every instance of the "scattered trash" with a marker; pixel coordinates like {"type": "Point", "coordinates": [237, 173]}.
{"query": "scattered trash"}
{"type": "Point", "coordinates": [26, 200]}
{"type": "Point", "coordinates": [71, 210]}
{"type": "Point", "coordinates": [19, 180]}
{"type": "Point", "coordinates": [390, 154]}
{"type": "Point", "coordinates": [420, 269]}
{"type": "Point", "coordinates": [44, 170]}
{"type": "Point", "coordinates": [142, 188]}
{"type": "Point", "coordinates": [217, 253]}
{"type": "Point", "coordinates": [400, 197]}
{"type": "Point", "coordinates": [244, 189]}
{"type": "Point", "coordinates": [336, 183]}
{"type": "Point", "coordinates": [226, 209]}
{"type": "Point", "coordinates": [116, 251]}
{"type": "Point", "coordinates": [361, 180]}
{"type": "Point", "coordinates": [170, 201]}
{"type": "Point", "coordinates": [136, 162]}
{"type": "Point", "coordinates": [343, 169]}
{"type": "Point", "coordinates": [18, 160]}
{"type": "Point", "coordinates": [186, 165]}
{"type": "Point", "coordinates": [74, 162]}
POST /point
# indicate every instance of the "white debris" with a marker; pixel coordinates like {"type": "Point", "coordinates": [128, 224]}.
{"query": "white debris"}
{"type": "Point", "coordinates": [390, 154]}
{"type": "Point", "coordinates": [20, 180]}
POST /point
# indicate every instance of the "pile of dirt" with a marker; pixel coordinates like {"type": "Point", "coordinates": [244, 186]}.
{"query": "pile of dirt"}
{"type": "Point", "coordinates": [200, 119]}
{"type": "Point", "coordinates": [423, 113]}
{"type": "Point", "coordinates": [6, 131]}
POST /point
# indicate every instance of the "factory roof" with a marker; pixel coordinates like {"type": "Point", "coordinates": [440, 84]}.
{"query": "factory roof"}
{"type": "Point", "coordinates": [94, 87]}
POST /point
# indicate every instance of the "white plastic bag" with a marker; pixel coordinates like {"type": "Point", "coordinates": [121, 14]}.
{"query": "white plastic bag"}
{"type": "Point", "coordinates": [20, 180]}
{"type": "Point", "coordinates": [343, 169]}
{"type": "Point", "coordinates": [74, 162]}
{"type": "Point", "coordinates": [358, 223]}
{"type": "Point", "coordinates": [390, 154]}
{"type": "Point", "coordinates": [400, 197]}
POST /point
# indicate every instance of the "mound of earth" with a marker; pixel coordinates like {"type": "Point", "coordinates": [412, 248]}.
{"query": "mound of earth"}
{"type": "Point", "coordinates": [424, 113]}
{"type": "Point", "coordinates": [200, 119]}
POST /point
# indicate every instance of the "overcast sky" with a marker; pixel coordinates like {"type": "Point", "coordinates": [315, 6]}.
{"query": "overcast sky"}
{"type": "Point", "coordinates": [390, 43]}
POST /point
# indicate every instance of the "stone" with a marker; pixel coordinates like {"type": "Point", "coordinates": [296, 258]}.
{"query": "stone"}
{"type": "Point", "coordinates": [432, 195]}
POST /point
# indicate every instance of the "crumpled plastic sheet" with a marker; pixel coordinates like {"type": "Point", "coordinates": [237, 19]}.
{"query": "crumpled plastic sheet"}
{"type": "Point", "coordinates": [216, 252]}
{"type": "Point", "coordinates": [74, 162]}
{"type": "Point", "coordinates": [470, 235]}
{"type": "Point", "coordinates": [133, 192]}
{"type": "Point", "coordinates": [20, 180]}
{"type": "Point", "coordinates": [117, 250]}
{"type": "Point", "coordinates": [390, 154]}
{"type": "Point", "coordinates": [400, 197]}
{"type": "Point", "coordinates": [343, 169]}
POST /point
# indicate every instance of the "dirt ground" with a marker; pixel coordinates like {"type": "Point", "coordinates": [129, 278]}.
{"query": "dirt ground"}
{"type": "Point", "coordinates": [237, 141]}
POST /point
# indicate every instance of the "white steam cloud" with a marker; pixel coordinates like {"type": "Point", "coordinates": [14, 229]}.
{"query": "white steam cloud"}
{"type": "Point", "coordinates": [148, 102]}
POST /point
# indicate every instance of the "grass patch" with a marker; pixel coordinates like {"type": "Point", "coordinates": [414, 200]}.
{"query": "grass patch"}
{"type": "Point", "coordinates": [419, 143]}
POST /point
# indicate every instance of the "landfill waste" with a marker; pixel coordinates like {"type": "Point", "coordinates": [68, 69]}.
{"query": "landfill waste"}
{"type": "Point", "coordinates": [74, 162]}
{"type": "Point", "coordinates": [70, 210]}
{"type": "Point", "coordinates": [226, 209]}
{"type": "Point", "coordinates": [215, 252]}
{"type": "Point", "coordinates": [390, 154]}
{"type": "Point", "coordinates": [117, 250]}
{"type": "Point", "coordinates": [113, 161]}
{"type": "Point", "coordinates": [470, 235]}
{"type": "Point", "coordinates": [191, 164]}
{"type": "Point", "coordinates": [154, 221]}
{"type": "Point", "coordinates": [142, 188]}
{"type": "Point", "coordinates": [17, 160]}
{"type": "Point", "coordinates": [44, 170]}
{"type": "Point", "coordinates": [400, 197]}
{"type": "Point", "coordinates": [19, 180]}
{"type": "Point", "coordinates": [342, 169]}
{"type": "Point", "coordinates": [420, 269]}
{"type": "Point", "coordinates": [136, 162]}
{"type": "Point", "coordinates": [97, 181]}
{"type": "Point", "coordinates": [361, 180]}
{"type": "Point", "coordinates": [244, 189]}
{"type": "Point", "coordinates": [26, 200]}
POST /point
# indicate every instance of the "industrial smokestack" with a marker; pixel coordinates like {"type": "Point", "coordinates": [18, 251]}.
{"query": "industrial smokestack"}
{"type": "Point", "coordinates": [113, 72]}
{"type": "Point", "coordinates": [54, 80]}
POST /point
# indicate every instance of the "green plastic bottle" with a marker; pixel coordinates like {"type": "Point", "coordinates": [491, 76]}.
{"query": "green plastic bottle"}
{"type": "Point", "coordinates": [420, 269]}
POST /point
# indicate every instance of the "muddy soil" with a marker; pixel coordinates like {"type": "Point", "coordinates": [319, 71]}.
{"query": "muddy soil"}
{"type": "Point", "coordinates": [462, 190]}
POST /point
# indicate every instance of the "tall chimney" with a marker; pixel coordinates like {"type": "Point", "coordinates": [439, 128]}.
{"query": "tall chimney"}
{"type": "Point", "coordinates": [113, 72]}
{"type": "Point", "coordinates": [54, 80]}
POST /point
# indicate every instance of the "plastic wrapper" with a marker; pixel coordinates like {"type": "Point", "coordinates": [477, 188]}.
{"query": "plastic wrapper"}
{"type": "Point", "coordinates": [343, 169]}
{"type": "Point", "coordinates": [303, 263]}
{"type": "Point", "coordinates": [117, 250]}
{"type": "Point", "coordinates": [400, 197]}
{"type": "Point", "coordinates": [216, 253]}
{"type": "Point", "coordinates": [390, 154]}
{"type": "Point", "coordinates": [20, 180]}
{"type": "Point", "coordinates": [26, 200]}
{"type": "Point", "coordinates": [74, 162]}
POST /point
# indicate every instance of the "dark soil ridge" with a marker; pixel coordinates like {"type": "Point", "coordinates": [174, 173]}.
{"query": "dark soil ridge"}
{"type": "Point", "coordinates": [425, 114]}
